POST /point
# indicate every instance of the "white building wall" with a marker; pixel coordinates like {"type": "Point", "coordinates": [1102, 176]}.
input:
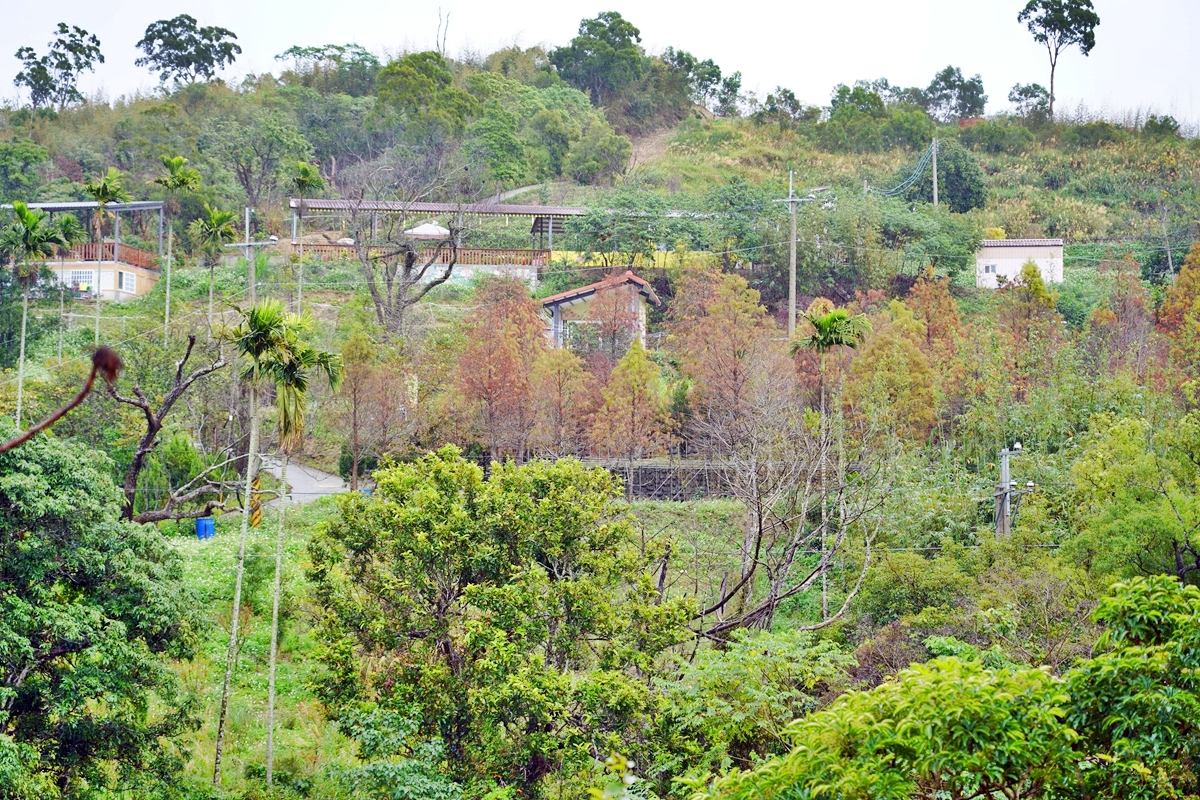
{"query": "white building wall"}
{"type": "Point", "coordinates": [996, 262]}
{"type": "Point", "coordinates": [71, 273]}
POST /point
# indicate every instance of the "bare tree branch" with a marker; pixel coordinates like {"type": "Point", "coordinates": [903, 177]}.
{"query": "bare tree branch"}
{"type": "Point", "coordinates": [155, 419]}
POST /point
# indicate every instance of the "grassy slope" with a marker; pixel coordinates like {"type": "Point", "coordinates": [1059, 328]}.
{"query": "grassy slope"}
{"type": "Point", "coordinates": [307, 745]}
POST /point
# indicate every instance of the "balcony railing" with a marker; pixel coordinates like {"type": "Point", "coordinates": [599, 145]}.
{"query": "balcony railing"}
{"type": "Point", "coordinates": [94, 251]}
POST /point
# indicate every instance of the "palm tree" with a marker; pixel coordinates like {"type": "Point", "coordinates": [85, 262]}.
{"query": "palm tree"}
{"type": "Point", "coordinates": [832, 328]}
{"type": "Point", "coordinates": [209, 232]}
{"type": "Point", "coordinates": [30, 238]}
{"type": "Point", "coordinates": [307, 181]}
{"type": "Point", "coordinates": [290, 370]}
{"type": "Point", "coordinates": [104, 190]}
{"type": "Point", "coordinates": [179, 177]}
{"type": "Point", "coordinates": [260, 339]}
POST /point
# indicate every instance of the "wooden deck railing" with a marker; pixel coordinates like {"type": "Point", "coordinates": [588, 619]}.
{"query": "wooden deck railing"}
{"type": "Point", "coordinates": [467, 256]}
{"type": "Point", "coordinates": [133, 256]}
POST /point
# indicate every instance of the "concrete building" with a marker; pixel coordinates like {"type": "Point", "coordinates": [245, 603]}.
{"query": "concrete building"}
{"type": "Point", "coordinates": [1000, 260]}
{"type": "Point", "coordinates": [117, 280]}
{"type": "Point", "coordinates": [121, 271]}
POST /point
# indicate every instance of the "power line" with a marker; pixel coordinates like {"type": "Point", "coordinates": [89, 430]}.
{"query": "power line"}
{"type": "Point", "coordinates": [925, 160]}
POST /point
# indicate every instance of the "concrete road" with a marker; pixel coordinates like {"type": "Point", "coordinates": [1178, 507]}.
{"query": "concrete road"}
{"type": "Point", "coordinates": [308, 483]}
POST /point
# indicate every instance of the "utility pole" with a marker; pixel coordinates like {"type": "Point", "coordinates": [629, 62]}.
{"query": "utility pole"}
{"type": "Point", "coordinates": [247, 248]}
{"type": "Point", "coordinates": [250, 261]}
{"type": "Point", "coordinates": [792, 260]}
{"type": "Point", "coordinates": [1007, 493]}
{"type": "Point", "coordinates": [62, 290]}
{"type": "Point", "coordinates": [935, 186]}
{"type": "Point", "coordinates": [792, 200]}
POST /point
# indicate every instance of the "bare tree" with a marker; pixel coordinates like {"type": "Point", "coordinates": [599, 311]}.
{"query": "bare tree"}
{"type": "Point", "coordinates": [772, 456]}
{"type": "Point", "coordinates": [400, 270]}
{"type": "Point", "coordinates": [173, 507]}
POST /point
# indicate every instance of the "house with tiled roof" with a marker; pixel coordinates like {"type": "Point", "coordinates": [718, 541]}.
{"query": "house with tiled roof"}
{"type": "Point", "coordinates": [625, 293]}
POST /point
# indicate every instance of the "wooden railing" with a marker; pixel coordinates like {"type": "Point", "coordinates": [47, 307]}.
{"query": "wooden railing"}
{"type": "Point", "coordinates": [467, 256]}
{"type": "Point", "coordinates": [94, 251]}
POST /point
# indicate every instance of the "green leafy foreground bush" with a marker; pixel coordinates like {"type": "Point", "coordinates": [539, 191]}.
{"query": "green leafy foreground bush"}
{"type": "Point", "coordinates": [1125, 723]}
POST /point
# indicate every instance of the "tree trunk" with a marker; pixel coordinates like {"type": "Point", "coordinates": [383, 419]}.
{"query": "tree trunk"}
{"type": "Point", "coordinates": [1053, 64]}
{"type": "Point", "coordinates": [354, 445]}
{"type": "Point", "coordinates": [1167, 244]}
{"type": "Point", "coordinates": [275, 624]}
{"type": "Point", "coordinates": [211, 269]}
{"type": "Point", "coordinates": [824, 492]}
{"type": "Point", "coordinates": [251, 457]}
{"type": "Point", "coordinates": [21, 356]}
{"type": "Point", "coordinates": [167, 277]}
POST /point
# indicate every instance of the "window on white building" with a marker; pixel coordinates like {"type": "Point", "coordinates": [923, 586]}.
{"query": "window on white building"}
{"type": "Point", "coordinates": [989, 269]}
{"type": "Point", "coordinates": [127, 282]}
{"type": "Point", "coordinates": [81, 277]}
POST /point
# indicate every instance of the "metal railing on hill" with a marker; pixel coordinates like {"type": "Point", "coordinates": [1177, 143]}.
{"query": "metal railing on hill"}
{"type": "Point", "coordinates": [96, 251]}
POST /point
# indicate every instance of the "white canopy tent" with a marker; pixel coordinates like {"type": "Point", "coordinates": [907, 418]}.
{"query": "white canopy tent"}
{"type": "Point", "coordinates": [428, 231]}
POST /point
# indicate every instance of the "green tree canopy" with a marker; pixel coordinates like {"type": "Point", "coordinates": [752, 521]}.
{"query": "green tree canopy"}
{"type": "Point", "coordinates": [90, 610]}
{"type": "Point", "coordinates": [52, 79]}
{"type": "Point", "coordinates": [255, 146]}
{"type": "Point", "coordinates": [497, 144]}
{"type": "Point", "coordinates": [1060, 25]}
{"type": "Point", "coordinates": [599, 155]}
{"type": "Point", "coordinates": [509, 615]}
{"type": "Point", "coordinates": [180, 50]}
{"type": "Point", "coordinates": [950, 96]}
{"type": "Point", "coordinates": [421, 87]}
{"type": "Point", "coordinates": [333, 68]}
{"type": "Point", "coordinates": [961, 183]}
{"type": "Point", "coordinates": [603, 58]}
{"type": "Point", "coordinates": [19, 161]}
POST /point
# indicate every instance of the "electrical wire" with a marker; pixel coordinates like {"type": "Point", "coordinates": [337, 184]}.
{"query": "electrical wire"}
{"type": "Point", "coordinates": [924, 161]}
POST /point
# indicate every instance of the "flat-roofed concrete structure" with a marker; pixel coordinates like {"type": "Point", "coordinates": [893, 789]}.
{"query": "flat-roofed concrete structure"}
{"type": "Point", "coordinates": [1001, 260]}
{"type": "Point", "coordinates": [119, 271]}
{"type": "Point", "coordinates": [116, 279]}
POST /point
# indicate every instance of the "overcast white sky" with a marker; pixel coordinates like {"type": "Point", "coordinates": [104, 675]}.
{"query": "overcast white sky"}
{"type": "Point", "coordinates": [1145, 57]}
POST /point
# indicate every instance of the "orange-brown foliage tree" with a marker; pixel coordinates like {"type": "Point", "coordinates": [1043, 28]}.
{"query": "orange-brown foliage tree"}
{"type": "Point", "coordinates": [1179, 317]}
{"type": "Point", "coordinates": [1121, 331]}
{"type": "Point", "coordinates": [720, 333]}
{"type": "Point", "coordinates": [1031, 326]}
{"type": "Point", "coordinates": [562, 404]}
{"type": "Point", "coordinates": [891, 379]}
{"type": "Point", "coordinates": [614, 317]}
{"type": "Point", "coordinates": [632, 423]}
{"type": "Point", "coordinates": [931, 303]}
{"type": "Point", "coordinates": [503, 339]}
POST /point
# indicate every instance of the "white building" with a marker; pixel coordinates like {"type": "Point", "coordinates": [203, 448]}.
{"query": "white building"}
{"type": "Point", "coordinates": [118, 280]}
{"type": "Point", "coordinates": [999, 259]}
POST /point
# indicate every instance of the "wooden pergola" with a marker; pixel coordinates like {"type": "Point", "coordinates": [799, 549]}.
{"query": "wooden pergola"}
{"type": "Point", "coordinates": [546, 220]}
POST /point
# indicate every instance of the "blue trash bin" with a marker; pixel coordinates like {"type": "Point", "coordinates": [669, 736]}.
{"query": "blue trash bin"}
{"type": "Point", "coordinates": [205, 528]}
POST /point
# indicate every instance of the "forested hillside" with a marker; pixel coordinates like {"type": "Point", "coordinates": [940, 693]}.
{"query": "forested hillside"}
{"type": "Point", "coordinates": [939, 542]}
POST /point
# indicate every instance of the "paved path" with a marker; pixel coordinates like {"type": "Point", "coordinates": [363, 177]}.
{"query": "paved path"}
{"type": "Point", "coordinates": [511, 193]}
{"type": "Point", "coordinates": [308, 483]}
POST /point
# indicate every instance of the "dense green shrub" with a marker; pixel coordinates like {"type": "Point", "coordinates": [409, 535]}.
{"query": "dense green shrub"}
{"type": "Point", "coordinates": [997, 136]}
{"type": "Point", "coordinates": [961, 183]}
